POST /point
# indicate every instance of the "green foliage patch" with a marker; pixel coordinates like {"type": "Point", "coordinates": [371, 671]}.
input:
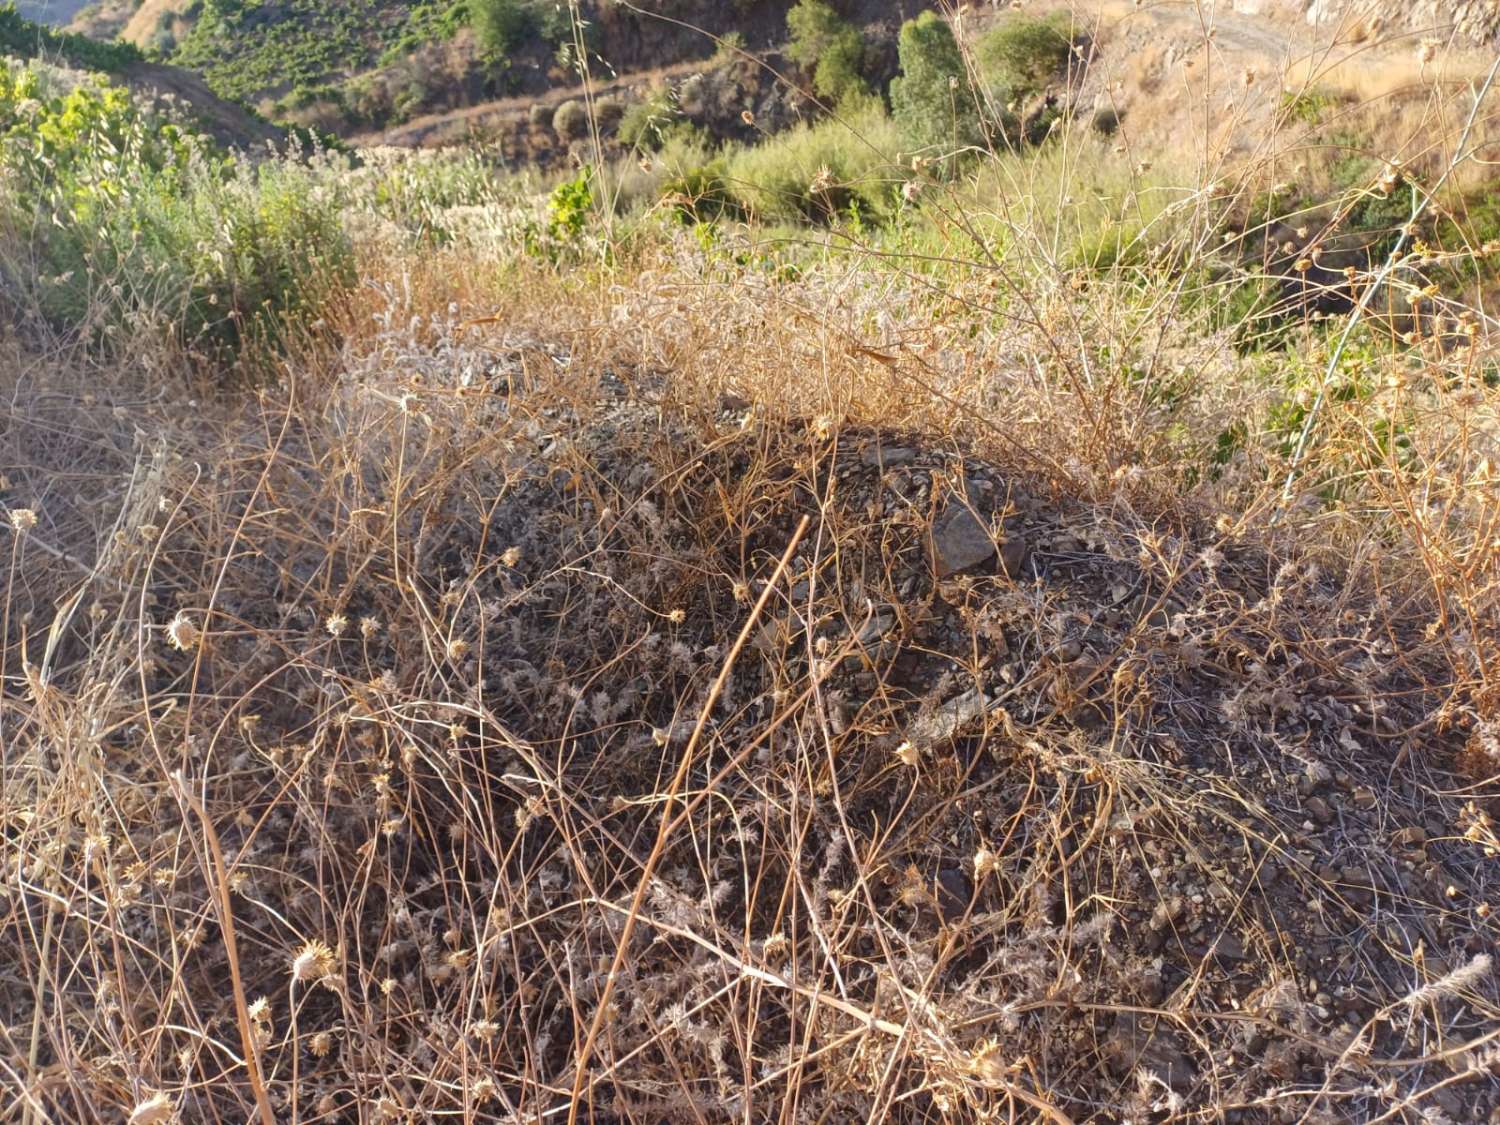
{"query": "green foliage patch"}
{"type": "Point", "coordinates": [829, 46]}
{"type": "Point", "coordinates": [24, 39]}
{"type": "Point", "coordinates": [120, 222]}
{"type": "Point", "coordinates": [931, 98]}
{"type": "Point", "coordinates": [1019, 56]}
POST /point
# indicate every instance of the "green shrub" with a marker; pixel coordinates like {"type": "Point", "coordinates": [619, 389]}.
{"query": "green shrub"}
{"type": "Point", "coordinates": [25, 40]}
{"type": "Point", "coordinates": [931, 98]}
{"type": "Point", "coordinates": [608, 113]}
{"type": "Point", "coordinates": [571, 120]}
{"type": "Point", "coordinates": [501, 25]}
{"type": "Point", "coordinates": [825, 43]}
{"type": "Point", "coordinates": [1022, 54]}
{"type": "Point", "coordinates": [814, 172]}
{"type": "Point", "coordinates": [647, 125]}
{"type": "Point", "coordinates": [150, 229]}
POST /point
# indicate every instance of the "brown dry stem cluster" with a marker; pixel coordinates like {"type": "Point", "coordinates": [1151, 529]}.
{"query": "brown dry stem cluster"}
{"type": "Point", "coordinates": [341, 721]}
{"type": "Point", "coordinates": [672, 690]}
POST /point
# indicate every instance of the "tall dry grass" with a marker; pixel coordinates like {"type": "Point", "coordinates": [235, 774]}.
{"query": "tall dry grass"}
{"type": "Point", "coordinates": [380, 743]}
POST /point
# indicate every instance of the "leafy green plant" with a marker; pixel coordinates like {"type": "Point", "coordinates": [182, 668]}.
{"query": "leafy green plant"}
{"type": "Point", "coordinates": [832, 48]}
{"type": "Point", "coordinates": [931, 98]}
{"type": "Point", "coordinates": [1019, 56]}
{"type": "Point", "coordinates": [148, 228]}
{"type": "Point", "coordinates": [1307, 106]}
{"type": "Point", "coordinates": [569, 206]}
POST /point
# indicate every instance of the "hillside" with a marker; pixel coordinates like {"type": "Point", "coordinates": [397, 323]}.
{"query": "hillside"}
{"type": "Point", "coordinates": [907, 567]}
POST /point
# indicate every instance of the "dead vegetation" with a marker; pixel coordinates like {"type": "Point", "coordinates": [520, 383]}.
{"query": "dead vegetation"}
{"type": "Point", "coordinates": [394, 697]}
{"type": "Point", "coordinates": [683, 680]}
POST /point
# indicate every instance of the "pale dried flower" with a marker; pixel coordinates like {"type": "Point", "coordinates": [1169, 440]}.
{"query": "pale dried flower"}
{"type": "Point", "coordinates": [22, 520]}
{"type": "Point", "coordinates": [314, 961]}
{"type": "Point", "coordinates": [155, 1110]}
{"type": "Point", "coordinates": [336, 624]}
{"type": "Point", "coordinates": [182, 634]}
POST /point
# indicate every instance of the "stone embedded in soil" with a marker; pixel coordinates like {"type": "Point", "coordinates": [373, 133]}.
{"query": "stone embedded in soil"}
{"type": "Point", "coordinates": [887, 456]}
{"type": "Point", "coordinates": [1013, 555]}
{"type": "Point", "coordinates": [960, 541]}
{"type": "Point", "coordinates": [948, 720]}
{"type": "Point", "coordinates": [1320, 810]}
{"type": "Point", "coordinates": [1134, 1043]}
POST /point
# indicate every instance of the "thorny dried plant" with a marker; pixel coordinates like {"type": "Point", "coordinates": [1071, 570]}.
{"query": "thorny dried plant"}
{"type": "Point", "coordinates": [340, 718]}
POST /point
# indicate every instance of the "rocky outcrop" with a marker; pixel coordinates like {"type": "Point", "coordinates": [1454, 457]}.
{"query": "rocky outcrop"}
{"type": "Point", "coordinates": [1470, 21]}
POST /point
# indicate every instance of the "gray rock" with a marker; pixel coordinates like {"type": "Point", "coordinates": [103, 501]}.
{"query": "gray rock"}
{"type": "Point", "coordinates": [960, 541]}
{"type": "Point", "coordinates": [886, 456]}
{"type": "Point", "coordinates": [948, 720]}
{"type": "Point", "coordinates": [1013, 554]}
{"type": "Point", "coordinates": [1137, 1041]}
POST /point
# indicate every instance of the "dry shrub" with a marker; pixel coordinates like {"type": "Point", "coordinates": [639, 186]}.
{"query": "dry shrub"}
{"type": "Point", "coordinates": [351, 726]}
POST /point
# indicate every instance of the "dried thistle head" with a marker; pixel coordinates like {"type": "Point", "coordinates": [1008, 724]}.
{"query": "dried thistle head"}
{"type": "Point", "coordinates": [182, 634]}
{"type": "Point", "coordinates": [22, 520]}
{"type": "Point", "coordinates": [155, 1110]}
{"type": "Point", "coordinates": [313, 962]}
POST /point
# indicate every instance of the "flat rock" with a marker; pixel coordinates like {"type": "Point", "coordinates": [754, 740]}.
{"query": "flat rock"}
{"type": "Point", "coordinates": [887, 456]}
{"type": "Point", "coordinates": [1136, 1042]}
{"type": "Point", "coordinates": [950, 719]}
{"type": "Point", "coordinates": [1013, 555]}
{"type": "Point", "coordinates": [960, 541]}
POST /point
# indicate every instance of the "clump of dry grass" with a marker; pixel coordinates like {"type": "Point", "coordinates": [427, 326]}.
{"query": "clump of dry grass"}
{"type": "Point", "coordinates": [540, 700]}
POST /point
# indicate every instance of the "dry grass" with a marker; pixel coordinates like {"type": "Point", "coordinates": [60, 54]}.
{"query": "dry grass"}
{"type": "Point", "coordinates": [378, 745]}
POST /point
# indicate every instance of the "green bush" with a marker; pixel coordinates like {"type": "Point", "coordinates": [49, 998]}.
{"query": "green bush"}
{"type": "Point", "coordinates": [648, 125]}
{"type": "Point", "coordinates": [148, 229]}
{"type": "Point", "coordinates": [501, 25]}
{"type": "Point", "coordinates": [931, 98]}
{"type": "Point", "coordinates": [1022, 54]}
{"type": "Point", "coordinates": [25, 40]}
{"type": "Point", "coordinates": [571, 120]}
{"type": "Point", "coordinates": [815, 172]}
{"type": "Point", "coordinates": [825, 43]}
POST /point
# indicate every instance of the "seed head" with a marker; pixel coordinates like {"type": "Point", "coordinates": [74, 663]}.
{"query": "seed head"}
{"type": "Point", "coordinates": [22, 520]}
{"type": "Point", "coordinates": [182, 634]}
{"type": "Point", "coordinates": [155, 1110]}
{"type": "Point", "coordinates": [313, 962]}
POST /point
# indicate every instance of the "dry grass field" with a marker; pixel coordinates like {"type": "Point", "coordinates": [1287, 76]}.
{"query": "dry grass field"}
{"type": "Point", "coordinates": [1030, 659]}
